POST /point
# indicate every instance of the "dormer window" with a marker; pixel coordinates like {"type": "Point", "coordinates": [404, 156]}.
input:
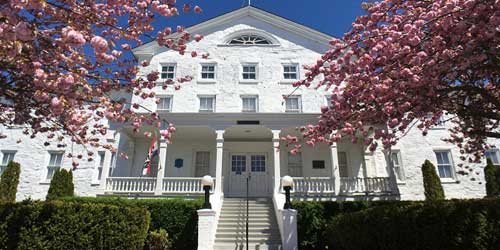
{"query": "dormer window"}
{"type": "Point", "coordinates": [249, 40]}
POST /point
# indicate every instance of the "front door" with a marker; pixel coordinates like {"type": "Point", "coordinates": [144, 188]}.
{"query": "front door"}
{"type": "Point", "coordinates": [252, 166]}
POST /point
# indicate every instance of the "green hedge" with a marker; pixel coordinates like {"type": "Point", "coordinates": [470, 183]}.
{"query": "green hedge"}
{"type": "Point", "coordinates": [9, 180]}
{"type": "Point", "coordinates": [61, 185]}
{"type": "Point", "coordinates": [492, 176]}
{"type": "Point", "coordinates": [59, 225]}
{"type": "Point", "coordinates": [177, 216]}
{"type": "Point", "coordinates": [451, 225]}
{"type": "Point", "coordinates": [313, 218]}
{"type": "Point", "coordinates": [433, 189]}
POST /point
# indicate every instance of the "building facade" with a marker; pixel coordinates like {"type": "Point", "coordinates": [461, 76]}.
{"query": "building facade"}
{"type": "Point", "coordinates": [229, 122]}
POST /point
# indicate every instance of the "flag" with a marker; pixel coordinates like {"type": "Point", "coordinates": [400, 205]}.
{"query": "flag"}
{"type": "Point", "coordinates": [152, 152]}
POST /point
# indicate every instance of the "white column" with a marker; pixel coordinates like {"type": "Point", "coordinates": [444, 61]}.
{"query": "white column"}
{"type": "Point", "coordinates": [335, 167]}
{"type": "Point", "coordinates": [219, 160]}
{"type": "Point", "coordinates": [162, 159]}
{"type": "Point", "coordinates": [107, 162]}
{"type": "Point", "coordinates": [206, 229]}
{"type": "Point", "coordinates": [277, 165]}
{"type": "Point", "coordinates": [290, 237]}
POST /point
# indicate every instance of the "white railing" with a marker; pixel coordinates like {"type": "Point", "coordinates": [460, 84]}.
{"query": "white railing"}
{"type": "Point", "coordinates": [313, 185]}
{"type": "Point", "coordinates": [183, 185]}
{"type": "Point", "coordinates": [130, 184]}
{"type": "Point", "coordinates": [364, 185]}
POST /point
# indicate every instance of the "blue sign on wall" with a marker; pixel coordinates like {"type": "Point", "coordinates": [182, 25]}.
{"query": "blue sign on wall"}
{"type": "Point", "coordinates": [178, 163]}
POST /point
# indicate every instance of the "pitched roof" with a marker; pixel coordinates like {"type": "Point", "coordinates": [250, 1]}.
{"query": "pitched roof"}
{"type": "Point", "coordinates": [259, 14]}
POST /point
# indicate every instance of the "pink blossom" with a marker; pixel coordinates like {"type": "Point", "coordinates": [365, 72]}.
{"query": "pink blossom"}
{"type": "Point", "coordinates": [99, 44]}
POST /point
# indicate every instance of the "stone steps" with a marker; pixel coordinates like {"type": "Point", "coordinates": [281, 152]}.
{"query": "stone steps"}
{"type": "Point", "coordinates": [263, 232]}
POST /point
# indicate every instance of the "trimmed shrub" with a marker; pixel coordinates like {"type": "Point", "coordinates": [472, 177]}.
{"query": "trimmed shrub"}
{"type": "Point", "coordinates": [432, 183]}
{"type": "Point", "coordinates": [492, 176]}
{"type": "Point", "coordinates": [59, 225]}
{"type": "Point", "coordinates": [177, 216]}
{"type": "Point", "coordinates": [313, 218]}
{"type": "Point", "coordinates": [451, 225]}
{"type": "Point", "coordinates": [61, 185]}
{"type": "Point", "coordinates": [158, 240]}
{"type": "Point", "coordinates": [9, 181]}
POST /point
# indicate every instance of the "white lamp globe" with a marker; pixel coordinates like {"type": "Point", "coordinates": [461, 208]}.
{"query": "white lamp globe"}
{"type": "Point", "coordinates": [287, 181]}
{"type": "Point", "coordinates": [207, 180]}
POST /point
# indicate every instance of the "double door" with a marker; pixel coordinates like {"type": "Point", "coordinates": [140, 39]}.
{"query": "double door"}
{"type": "Point", "coordinates": [251, 167]}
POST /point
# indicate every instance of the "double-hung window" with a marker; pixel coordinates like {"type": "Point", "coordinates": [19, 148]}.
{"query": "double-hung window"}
{"type": "Point", "coordinates": [444, 164]}
{"type": "Point", "coordinates": [293, 104]}
{"type": "Point", "coordinates": [249, 72]}
{"type": "Point", "coordinates": [7, 156]}
{"type": "Point", "coordinates": [295, 164]}
{"type": "Point", "coordinates": [207, 103]}
{"type": "Point", "coordinates": [165, 103]}
{"type": "Point", "coordinates": [55, 162]}
{"type": "Point", "coordinates": [290, 72]}
{"type": "Point", "coordinates": [493, 156]}
{"type": "Point", "coordinates": [343, 164]}
{"type": "Point", "coordinates": [397, 164]}
{"type": "Point", "coordinates": [167, 71]}
{"type": "Point", "coordinates": [202, 163]}
{"type": "Point", "coordinates": [208, 71]}
{"type": "Point", "coordinates": [249, 103]}
{"type": "Point", "coordinates": [328, 99]}
{"type": "Point", "coordinates": [100, 166]}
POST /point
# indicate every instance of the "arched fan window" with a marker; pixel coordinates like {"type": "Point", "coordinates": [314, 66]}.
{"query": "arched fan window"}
{"type": "Point", "coordinates": [249, 40]}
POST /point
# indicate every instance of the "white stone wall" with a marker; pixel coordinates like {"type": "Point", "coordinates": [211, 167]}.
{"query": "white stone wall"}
{"type": "Point", "coordinates": [228, 59]}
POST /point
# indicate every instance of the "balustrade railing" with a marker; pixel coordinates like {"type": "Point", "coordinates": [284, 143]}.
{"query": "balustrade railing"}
{"type": "Point", "coordinates": [313, 185]}
{"type": "Point", "coordinates": [183, 185]}
{"type": "Point", "coordinates": [130, 184]}
{"type": "Point", "coordinates": [364, 185]}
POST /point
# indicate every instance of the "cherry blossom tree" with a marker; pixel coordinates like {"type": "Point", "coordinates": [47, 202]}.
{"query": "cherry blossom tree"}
{"type": "Point", "coordinates": [405, 64]}
{"type": "Point", "coordinates": [61, 61]}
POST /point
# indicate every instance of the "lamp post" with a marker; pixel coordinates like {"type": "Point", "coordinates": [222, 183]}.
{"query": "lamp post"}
{"type": "Point", "coordinates": [207, 182]}
{"type": "Point", "coordinates": [287, 184]}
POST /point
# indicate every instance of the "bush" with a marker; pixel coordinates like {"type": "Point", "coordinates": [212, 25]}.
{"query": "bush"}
{"type": "Point", "coordinates": [9, 181]}
{"type": "Point", "coordinates": [59, 225]}
{"type": "Point", "coordinates": [177, 216]}
{"type": "Point", "coordinates": [452, 225]}
{"type": "Point", "coordinates": [313, 218]}
{"type": "Point", "coordinates": [432, 183]}
{"type": "Point", "coordinates": [61, 185]}
{"type": "Point", "coordinates": [492, 176]}
{"type": "Point", "coordinates": [158, 240]}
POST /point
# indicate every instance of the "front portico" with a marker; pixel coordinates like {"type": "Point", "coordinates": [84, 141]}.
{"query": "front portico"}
{"type": "Point", "coordinates": [235, 147]}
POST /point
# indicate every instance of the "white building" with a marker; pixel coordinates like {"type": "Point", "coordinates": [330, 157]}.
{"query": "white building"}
{"type": "Point", "coordinates": [229, 121]}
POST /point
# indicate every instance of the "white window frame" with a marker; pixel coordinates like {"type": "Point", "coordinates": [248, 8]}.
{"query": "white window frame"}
{"type": "Point", "coordinates": [297, 166]}
{"type": "Point", "coordinates": [243, 65]}
{"type": "Point", "coordinates": [297, 72]}
{"type": "Point", "coordinates": [453, 177]}
{"type": "Point", "coordinates": [99, 167]}
{"type": "Point", "coordinates": [174, 72]}
{"type": "Point", "coordinates": [328, 101]}
{"type": "Point", "coordinates": [45, 178]}
{"type": "Point", "coordinates": [347, 170]}
{"type": "Point", "coordinates": [399, 170]}
{"type": "Point", "coordinates": [197, 164]}
{"type": "Point", "coordinates": [496, 152]}
{"type": "Point", "coordinates": [3, 164]}
{"type": "Point", "coordinates": [207, 80]}
{"type": "Point", "coordinates": [299, 100]}
{"type": "Point", "coordinates": [256, 97]}
{"type": "Point", "coordinates": [214, 100]}
{"type": "Point", "coordinates": [170, 103]}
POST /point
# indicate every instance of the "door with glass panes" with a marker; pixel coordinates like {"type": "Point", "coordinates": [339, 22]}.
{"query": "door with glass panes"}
{"type": "Point", "coordinates": [251, 165]}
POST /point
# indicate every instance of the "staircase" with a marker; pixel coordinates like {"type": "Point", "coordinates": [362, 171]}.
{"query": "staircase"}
{"type": "Point", "coordinates": [263, 232]}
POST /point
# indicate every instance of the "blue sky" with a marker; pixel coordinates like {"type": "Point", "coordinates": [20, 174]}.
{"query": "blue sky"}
{"type": "Point", "coordinates": [333, 17]}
